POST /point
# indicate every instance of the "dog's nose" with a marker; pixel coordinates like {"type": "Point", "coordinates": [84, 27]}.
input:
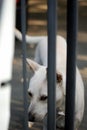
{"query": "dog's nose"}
{"type": "Point", "coordinates": [31, 117]}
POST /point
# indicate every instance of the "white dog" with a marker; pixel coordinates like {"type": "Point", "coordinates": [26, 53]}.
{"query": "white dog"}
{"type": "Point", "coordinates": [38, 83]}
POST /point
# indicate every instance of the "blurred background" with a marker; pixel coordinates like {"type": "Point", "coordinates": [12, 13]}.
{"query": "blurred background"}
{"type": "Point", "coordinates": [36, 22]}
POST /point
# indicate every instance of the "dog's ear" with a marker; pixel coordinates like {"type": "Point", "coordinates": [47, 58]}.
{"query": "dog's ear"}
{"type": "Point", "coordinates": [59, 78]}
{"type": "Point", "coordinates": [32, 64]}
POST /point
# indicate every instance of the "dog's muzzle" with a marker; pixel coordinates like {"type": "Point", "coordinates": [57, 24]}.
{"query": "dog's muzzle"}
{"type": "Point", "coordinates": [31, 117]}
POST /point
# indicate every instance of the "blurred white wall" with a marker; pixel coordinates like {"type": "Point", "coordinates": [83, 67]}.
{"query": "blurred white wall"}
{"type": "Point", "coordinates": [7, 23]}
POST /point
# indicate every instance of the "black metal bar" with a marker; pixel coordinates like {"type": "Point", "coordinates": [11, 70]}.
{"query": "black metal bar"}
{"type": "Point", "coordinates": [23, 25]}
{"type": "Point", "coordinates": [71, 63]}
{"type": "Point", "coordinates": [52, 26]}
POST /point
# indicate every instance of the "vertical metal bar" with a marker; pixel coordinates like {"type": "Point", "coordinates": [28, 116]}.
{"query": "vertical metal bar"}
{"type": "Point", "coordinates": [23, 25]}
{"type": "Point", "coordinates": [52, 26]}
{"type": "Point", "coordinates": [71, 63]}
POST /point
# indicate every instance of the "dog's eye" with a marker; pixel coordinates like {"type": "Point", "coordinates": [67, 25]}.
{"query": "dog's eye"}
{"type": "Point", "coordinates": [30, 94]}
{"type": "Point", "coordinates": [43, 98]}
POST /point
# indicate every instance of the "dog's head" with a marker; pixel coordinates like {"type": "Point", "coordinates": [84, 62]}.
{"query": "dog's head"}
{"type": "Point", "coordinates": [38, 91]}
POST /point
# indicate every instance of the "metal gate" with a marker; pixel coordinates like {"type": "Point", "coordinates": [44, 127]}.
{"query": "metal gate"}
{"type": "Point", "coordinates": [71, 62]}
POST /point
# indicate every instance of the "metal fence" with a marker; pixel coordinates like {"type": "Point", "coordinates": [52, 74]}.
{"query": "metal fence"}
{"type": "Point", "coordinates": [71, 62]}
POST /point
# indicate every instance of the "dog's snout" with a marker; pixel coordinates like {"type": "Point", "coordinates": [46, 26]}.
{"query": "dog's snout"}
{"type": "Point", "coordinates": [31, 117]}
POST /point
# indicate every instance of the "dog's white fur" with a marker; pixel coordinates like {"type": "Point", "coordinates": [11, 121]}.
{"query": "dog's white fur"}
{"type": "Point", "coordinates": [38, 83]}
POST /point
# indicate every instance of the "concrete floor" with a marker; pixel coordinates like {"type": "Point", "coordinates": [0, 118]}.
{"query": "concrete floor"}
{"type": "Point", "coordinates": [37, 25]}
